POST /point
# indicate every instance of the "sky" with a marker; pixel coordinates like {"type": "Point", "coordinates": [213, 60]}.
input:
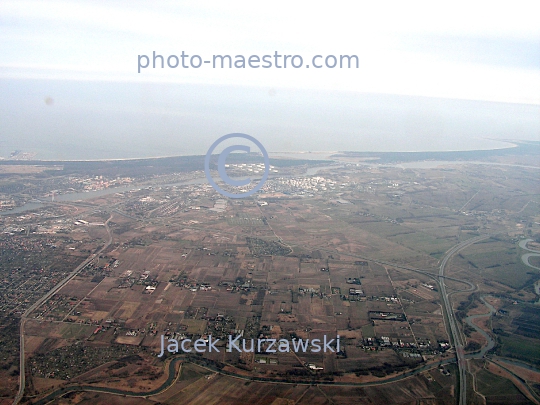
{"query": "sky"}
{"type": "Point", "coordinates": [431, 76]}
{"type": "Point", "coordinates": [465, 50]}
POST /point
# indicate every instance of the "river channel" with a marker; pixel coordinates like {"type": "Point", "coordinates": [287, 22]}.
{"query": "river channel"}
{"type": "Point", "coordinates": [525, 258]}
{"type": "Point", "coordinates": [470, 321]}
{"type": "Point", "coordinates": [86, 195]}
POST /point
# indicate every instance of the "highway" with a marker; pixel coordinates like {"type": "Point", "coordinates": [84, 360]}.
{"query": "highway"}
{"type": "Point", "coordinates": [453, 329]}
{"type": "Point", "coordinates": [42, 300]}
{"type": "Point", "coordinates": [454, 332]}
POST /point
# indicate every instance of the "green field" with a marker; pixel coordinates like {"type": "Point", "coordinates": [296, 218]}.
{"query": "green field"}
{"type": "Point", "coordinates": [195, 325]}
{"type": "Point", "coordinates": [361, 310]}
{"type": "Point", "coordinates": [368, 331]}
{"type": "Point", "coordinates": [424, 242]}
{"type": "Point", "coordinates": [514, 275]}
{"type": "Point", "coordinates": [76, 331]}
{"type": "Point", "coordinates": [498, 262]}
{"type": "Point", "coordinates": [191, 371]}
{"type": "Point", "coordinates": [492, 385]}
{"type": "Point", "coordinates": [520, 347]}
{"type": "Point", "coordinates": [245, 220]}
{"type": "Point", "coordinates": [534, 261]}
{"type": "Point", "coordinates": [385, 229]}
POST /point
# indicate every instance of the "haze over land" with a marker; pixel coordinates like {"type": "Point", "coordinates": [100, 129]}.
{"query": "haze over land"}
{"type": "Point", "coordinates": [396, 217]}
{"type": "Point", "coordinates": [380, 254]}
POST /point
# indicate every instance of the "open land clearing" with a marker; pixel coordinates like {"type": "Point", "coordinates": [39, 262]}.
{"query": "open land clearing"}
{"type": "Point", "coordinates": [353, 251]}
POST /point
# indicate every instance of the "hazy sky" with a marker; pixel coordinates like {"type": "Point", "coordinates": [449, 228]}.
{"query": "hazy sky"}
{"type": "Point", "coordinates": [69, 87]}
{"type": "Point", "coordinates": [469, 50]}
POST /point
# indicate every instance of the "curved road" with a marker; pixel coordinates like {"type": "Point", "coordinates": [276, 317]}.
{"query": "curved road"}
{"type": "Point", "coordinates": [456, 337]}
{"type": "Point", "coordinates": [440, 278]}
{"type": "Point", "coordinates": [42, 300]}
{"type": "Point", "coordinates": [455, 333]}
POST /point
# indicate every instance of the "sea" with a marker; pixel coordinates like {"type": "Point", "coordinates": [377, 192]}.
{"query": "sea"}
{"type": "Point", "coordinates": [90, 120]}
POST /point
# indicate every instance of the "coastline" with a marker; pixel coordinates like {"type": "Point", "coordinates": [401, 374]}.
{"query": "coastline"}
{"type": "Point", "coordinates": [295, 155]}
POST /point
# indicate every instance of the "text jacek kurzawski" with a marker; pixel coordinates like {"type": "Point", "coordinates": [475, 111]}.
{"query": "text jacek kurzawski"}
{"type": "Point", "coordinates": [237, 343]}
